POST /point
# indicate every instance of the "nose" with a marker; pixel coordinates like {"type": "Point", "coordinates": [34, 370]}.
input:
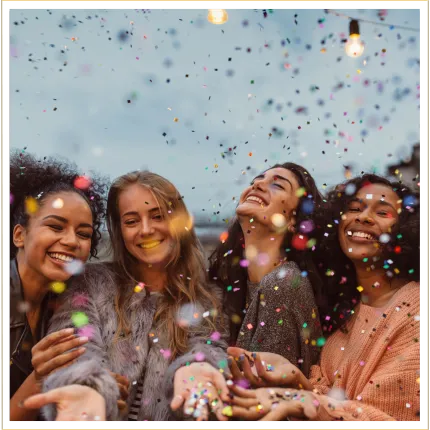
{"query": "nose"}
{"type": "Point", "coordinates": [364, 218]}
{"type": "Point", "coordinates": [259, 184]}
{"type": "Point", "coordinates": [147, 228]}
{"type": "Point", "coordinates": [70, 239]}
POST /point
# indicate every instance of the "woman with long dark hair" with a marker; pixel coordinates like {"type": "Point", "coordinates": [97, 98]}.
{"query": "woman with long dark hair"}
{"type": "Point", "coordinates": [369, 367]}
{"type": "Point", "coordinates": [265, 268]}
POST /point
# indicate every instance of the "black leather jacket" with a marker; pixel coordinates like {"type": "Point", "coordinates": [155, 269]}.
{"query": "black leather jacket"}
{"type": "Point", "coordinates": [21, 338]}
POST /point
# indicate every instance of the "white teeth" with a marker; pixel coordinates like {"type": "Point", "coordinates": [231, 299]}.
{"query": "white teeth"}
{"type": "Point", "coordinates": [61, 257]}
{"type": "Point", "coordinates": [255, 199]}
{"type": "Point", "coordinates": [361, 234]}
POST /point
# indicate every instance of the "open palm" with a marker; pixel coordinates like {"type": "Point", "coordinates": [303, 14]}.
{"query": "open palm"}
{"type": "Point", "coordinates": [264, 369]}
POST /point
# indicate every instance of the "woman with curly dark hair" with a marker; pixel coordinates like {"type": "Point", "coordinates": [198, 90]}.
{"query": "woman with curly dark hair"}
{"type": "Point", "coordinates": [265, 269]}
{"type": "Point", "coordinates": [55, 220]}
{"type": "Point", "coordinates": [369, 367]}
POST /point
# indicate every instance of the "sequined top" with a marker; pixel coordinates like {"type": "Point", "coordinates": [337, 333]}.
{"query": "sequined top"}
{"type": "Point", "coordinates": [282, 317]}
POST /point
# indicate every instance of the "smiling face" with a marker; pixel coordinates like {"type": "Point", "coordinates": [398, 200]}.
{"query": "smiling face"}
{"type": "Point", "coordinates": [144, 228]}
{"type": "Point", "coordinates": [270, 198]}
{"type": "Point", "coordinates": [368, 221]}
{"type": "Point", "coordinates": [57, 234]}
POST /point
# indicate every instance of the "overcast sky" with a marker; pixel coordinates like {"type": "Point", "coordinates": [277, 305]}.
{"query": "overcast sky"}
{"type": "Point", "coordinates": [211, 106]}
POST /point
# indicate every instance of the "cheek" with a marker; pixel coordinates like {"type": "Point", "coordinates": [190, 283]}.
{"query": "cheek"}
{"type": "Point", "coordinates": [244, 193]}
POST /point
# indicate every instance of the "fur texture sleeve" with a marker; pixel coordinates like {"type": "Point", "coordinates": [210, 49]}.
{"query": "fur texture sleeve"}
{"type": "Point", "coordinates": [80, 309]}
{"type": "Point", "coordinates": [206, 344]}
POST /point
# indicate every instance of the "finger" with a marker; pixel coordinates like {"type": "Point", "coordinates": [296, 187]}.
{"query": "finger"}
{"type": "Point", "coordinates": [121, 405]}
{"type": "Point", "coordinates": [248, 414]}
{"type": "Point", "coordinates": [123, 391]}
{"type": "Point", "coordinates": [221, 385]}
{"type": "Point", "coordinates": [177, 402]}
{"type": "Point", "coordinates": [204, 413]}
{"type": "Point", "coordinates": [53, 338]}
{"type": "Point", "coordinates": [65, 339]}
{"type": "Point", "coordinates": [247, 372]}
{"type": "Point", "coordinates": [59, 361]}
{"type": "Point", "coordinates": [217, 410]}
{"type": "Point", "coordinates": [310, 410]}
{"type": "Point", "coordinates": [235, 371]}
{"type": "Point", "coordinates": [39, 400]}
{"type": "Point", "coordinates": [242, 392]}
{"type": "Point", "coordinates": [58, 349]}
{"type": "Point", "coordinates": [236, 352]}
{"type": "Point", "coordinates": [245, 403]}
{"type": "Point", "coordinates": [121, 379]}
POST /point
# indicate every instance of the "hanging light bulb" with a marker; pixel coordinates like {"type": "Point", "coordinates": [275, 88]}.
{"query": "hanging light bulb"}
{"type": "Point", "coordinates": [217, 16]}
{"type": "Point", "coordinates": [354, 47]}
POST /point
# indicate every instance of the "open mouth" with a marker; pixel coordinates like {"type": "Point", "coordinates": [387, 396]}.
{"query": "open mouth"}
{"type": "Point", "coordinates": [255, 199]}
{"type": "Point", "coordinates": [150, 245]}
{"type": "Point", "coordinates": [361, 236]}
{"type": "Point", "coordinates": [58, 257]}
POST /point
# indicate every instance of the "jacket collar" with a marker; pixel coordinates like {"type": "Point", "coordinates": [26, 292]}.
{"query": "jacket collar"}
{"type": "Point", "coordinates": [17, 318]}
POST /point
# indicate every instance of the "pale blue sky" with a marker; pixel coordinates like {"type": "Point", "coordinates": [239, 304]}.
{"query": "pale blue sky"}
{"type": "Point", "coordinates": [230, 85]}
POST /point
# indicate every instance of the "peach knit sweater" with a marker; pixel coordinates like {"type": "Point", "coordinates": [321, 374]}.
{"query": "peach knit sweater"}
{"type": "Point", "coordinates": [375, 365]}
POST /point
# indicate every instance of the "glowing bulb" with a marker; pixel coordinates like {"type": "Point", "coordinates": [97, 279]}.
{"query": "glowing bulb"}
{"type": "Point", "coordinates": [354, 47]}
{"type": "Point", "coordinates": [217, 16]}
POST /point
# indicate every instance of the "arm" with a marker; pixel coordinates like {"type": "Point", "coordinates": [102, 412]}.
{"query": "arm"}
{"type": "Point", "coordinates": [27, 389]}
{"type": "Point", "coordinates": [207, 344]}
{"type": "Point", "coordinates": [78, 302]}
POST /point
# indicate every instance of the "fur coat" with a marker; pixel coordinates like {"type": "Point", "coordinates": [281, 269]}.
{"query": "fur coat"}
{"type": "Point", "coordinates": [88, 304]}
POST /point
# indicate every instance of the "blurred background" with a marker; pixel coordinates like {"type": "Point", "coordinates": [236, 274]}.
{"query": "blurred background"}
{"type": "Point", "coordinates": [210, 106]}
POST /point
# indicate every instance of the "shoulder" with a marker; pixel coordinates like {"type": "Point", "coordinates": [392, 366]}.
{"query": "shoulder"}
{"type": "Point", "coordinates": [287, 280]}
{"type": "Point", "coordinates": [96, 278]}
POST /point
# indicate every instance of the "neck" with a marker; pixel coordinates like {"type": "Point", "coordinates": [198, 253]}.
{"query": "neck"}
{"type": "Point", "coordinates": [34, 286]}
{"type": "Point", "coordinates": [261, 241]}
{"type": "Point", "coordinates": [153, 276]}
{"type": "Point", "coordinates": [377, 287]}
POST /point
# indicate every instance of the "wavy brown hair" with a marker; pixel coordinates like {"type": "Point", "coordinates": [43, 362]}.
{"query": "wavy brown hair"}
{"type": "Point", "coordinates": [186, 273]}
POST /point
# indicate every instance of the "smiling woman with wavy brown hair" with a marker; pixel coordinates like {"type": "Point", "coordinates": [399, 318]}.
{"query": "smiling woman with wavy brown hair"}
{"type": "Point", "coordinates": [153, 317]}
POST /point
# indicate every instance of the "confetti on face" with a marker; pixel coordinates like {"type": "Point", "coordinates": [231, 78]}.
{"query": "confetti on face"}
{"type": "Point", "coordinates": [58, 203]}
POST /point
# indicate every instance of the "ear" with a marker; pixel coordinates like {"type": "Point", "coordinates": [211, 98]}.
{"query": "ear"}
{"type": "Point", "coordinates": [19, 236]}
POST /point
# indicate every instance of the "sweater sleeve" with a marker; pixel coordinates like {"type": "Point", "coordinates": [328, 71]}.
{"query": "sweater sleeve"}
{"type": "Point", "coordinates": [392, 389]}
{"type": "Point", "coordinates": [206, 343]}
{"type": "Point", "coordinates": [288, 320]}
{"type": "Point", "coordinates": [78, 310]}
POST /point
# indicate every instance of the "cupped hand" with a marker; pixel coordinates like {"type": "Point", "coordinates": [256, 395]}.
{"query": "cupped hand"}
{"type": "Point", "coordinates": [200, 389]}
{"type": "Point", "coordinates": [264, 369]}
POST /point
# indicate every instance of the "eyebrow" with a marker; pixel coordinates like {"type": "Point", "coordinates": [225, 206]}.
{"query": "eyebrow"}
{"type": "Point", "coordinates": [275, 177]}
{"type": "Point", "coordinates": [65, 221]}
{"type": "Point", "coordinates": [154, 209]}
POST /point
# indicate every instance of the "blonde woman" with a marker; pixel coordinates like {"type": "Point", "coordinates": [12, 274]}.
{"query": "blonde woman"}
{"type": "Point", "coordinates": [149, 315]}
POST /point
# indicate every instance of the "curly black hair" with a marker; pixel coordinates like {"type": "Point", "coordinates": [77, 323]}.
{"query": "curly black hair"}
{"type": "Point", "coordinates": [38, 178]}
{"type": "Point", "coordinates": [224, 262]}
{"type": "Point", "coordinates": [401, 254]}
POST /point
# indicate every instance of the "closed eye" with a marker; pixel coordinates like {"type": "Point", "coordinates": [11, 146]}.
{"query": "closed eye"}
{"type": "Point", "coordinates": [279, 186]}
{"type": "Point", "coordinates": [354, 209]}
{"type": "Point", "coordinates": [158, 217]}
{"type": "Point", "coordinates": [130, 222]}
{"type": "Point", "coordinates": [85, 235]}
{"type": "Point", "coordinates": [55, 227]}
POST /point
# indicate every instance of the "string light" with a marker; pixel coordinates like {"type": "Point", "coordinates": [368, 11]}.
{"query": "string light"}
{"type": "Point", "coordinates": [217, 16]}
{"type": "Point", "coordinates": [354, 47]}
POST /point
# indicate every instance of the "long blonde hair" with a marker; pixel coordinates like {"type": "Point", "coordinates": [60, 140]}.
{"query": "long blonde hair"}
{"type": "Point", "coordinates": [186, 274]}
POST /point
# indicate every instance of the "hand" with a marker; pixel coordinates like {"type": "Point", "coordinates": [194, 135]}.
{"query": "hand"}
{"type": "Point", "coordinates": [201, 389]}
{"type": "Point", "coordinates": [53, 352]}
{"type": "Point", "coordinates": [123, 385]}
{"type": "Point", "coordinates": [273, 404]}
{"type": "Point", "coordinates": [74, 403]}
{"type": "Point", "coordinates": [264, 369]}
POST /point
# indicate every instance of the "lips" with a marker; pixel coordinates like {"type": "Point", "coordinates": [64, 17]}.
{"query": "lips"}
{"type": "Point", "coordinates": [150, 244]}
{"type": "Point", "coordinates": [60, 257]}
{"type": "Point", "coordinates": [361, 236]}
{"type": "Point", "coordinates": [256, 199]}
